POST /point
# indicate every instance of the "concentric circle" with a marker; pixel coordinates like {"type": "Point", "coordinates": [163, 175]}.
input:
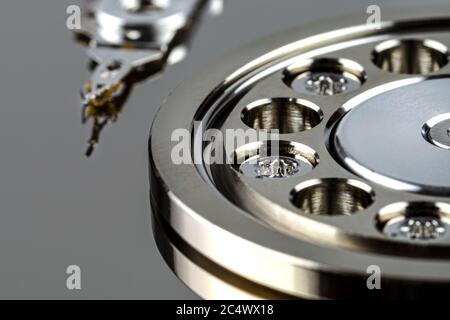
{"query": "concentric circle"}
{"type": "Point", "coordinates": [437, 131]}
{"type": "Point", "coordinates": [311, 235]}
{"type": "Point", "coordinates": [381, 138]}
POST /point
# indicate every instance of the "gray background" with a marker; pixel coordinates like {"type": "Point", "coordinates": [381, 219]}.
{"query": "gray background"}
{"type": "Point", "coordinates": [59, 208]}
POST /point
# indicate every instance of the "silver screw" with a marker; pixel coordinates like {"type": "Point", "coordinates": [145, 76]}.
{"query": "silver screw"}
{"type": "Point", "coordinates": [276, 168]}
{"type": "Point", "coordinates": [422, 228]}
{"type": "Point", "coordinates": [326, 84]}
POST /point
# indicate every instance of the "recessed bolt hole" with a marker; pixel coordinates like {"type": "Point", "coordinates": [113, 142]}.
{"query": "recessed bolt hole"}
{"type": "Point", "coordinates": [287, 115]}
{"type": "Point", "coordinates": [332, 197]}
{"type": "Point", "coordinates": [410, 56]}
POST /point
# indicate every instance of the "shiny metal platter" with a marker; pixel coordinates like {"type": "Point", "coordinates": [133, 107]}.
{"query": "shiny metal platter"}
{"type": "Point", "coordinates": [358, 178]}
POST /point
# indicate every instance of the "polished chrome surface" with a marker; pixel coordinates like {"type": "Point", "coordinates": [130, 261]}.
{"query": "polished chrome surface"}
{"type": "Point", "coordinates": [390, 149]}
{"type": "Point", "coordinates": [375, 191]}
{"type": "Point", "coordinates": [129, 41]}
{"type": "Point", "coordinates": [410, 56]}
{"type": "Point", "coordinates": [437, 130]}
{"type": "Point", "coordinates": [156, 22]}
{"type": "Point", "coordinates": [150, 24]}
{"type": "Point", "coordinates": [325, 76]}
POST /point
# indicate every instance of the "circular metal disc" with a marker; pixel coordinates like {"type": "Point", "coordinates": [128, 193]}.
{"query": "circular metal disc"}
{"type": "Point", "coordinates": [381, 138]}
{"type": "Point", "coordinates": [314, 231]}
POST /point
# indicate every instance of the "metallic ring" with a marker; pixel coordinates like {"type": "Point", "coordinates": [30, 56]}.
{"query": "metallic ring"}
{"type": "Point", "coordinates": [308, 221]}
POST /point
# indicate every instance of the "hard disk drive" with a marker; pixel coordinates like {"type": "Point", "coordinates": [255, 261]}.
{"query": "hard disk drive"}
{"type": "Point", "coordinates": [338, 168]}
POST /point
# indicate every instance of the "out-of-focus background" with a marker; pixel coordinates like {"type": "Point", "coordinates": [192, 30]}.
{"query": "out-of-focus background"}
{"type": "Point", "coordinates": [58, 208]}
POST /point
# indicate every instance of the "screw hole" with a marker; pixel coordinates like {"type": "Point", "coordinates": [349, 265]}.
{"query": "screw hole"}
{"type": "Point", "coordinates": [332, 197]}
{"type": "Point", "coordinates": [410, 56]}
{"type": "Point", "coordinates": [287, 115]}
